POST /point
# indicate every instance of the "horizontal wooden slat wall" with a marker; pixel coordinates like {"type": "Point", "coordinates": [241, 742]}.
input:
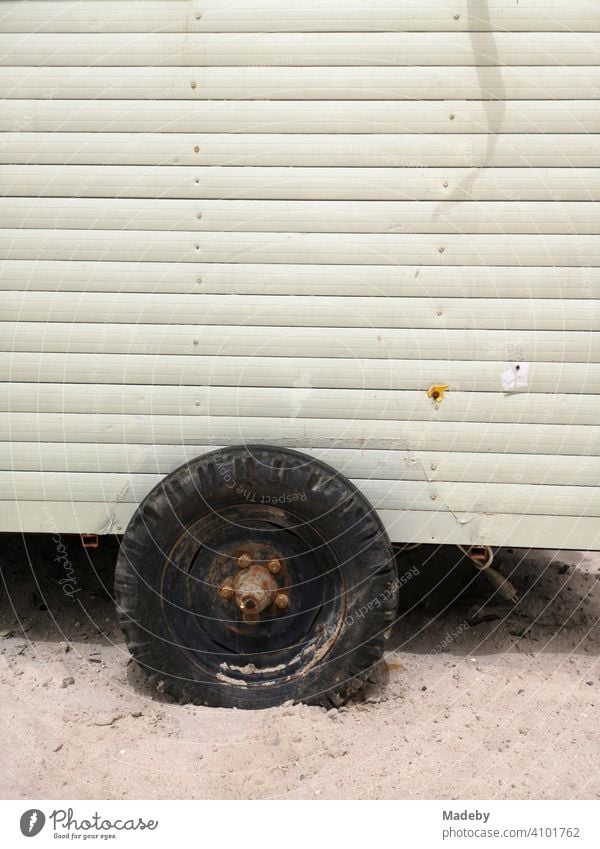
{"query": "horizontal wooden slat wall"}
{"type": "Point", "coordinates": [137, 16]}
{"type": "Point", "coordinates": [306, 117]}
{"type": "Point", "coordinates": [401, 83]}
{"type": "Point", "coordinates": [394, 151]}
{"type": "Point", "coordinates": [249, 310]}
{"type": "Point", "coordinates": [146, 363]}
{"type": "Point", "coordinates": [304, 216]}
{"type": "Point", "coordinates": [283, 222]}
{"type": "Point", "coordinates": [72, 183]}
{"type": "Point", "coordinates": [305, 49]}
{"type": "Point", "coordinates": [375, 463]}
{"type": "Point", "coordinates": [524, 530]}
{"type": "Point", "coordinates": [256, 342]}
{"type": "Point", "coordinates": [250, 402]}
{"type": "Point", "coordinates": [495, 437]}
{"type": "Point", "coordinates": [299, 248]}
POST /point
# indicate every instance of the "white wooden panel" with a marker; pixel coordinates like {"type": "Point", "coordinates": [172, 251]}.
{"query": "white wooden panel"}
{"type": "Point", "coordinates": [562, 532]}
{"type": "Point", "coordinates": [345, 373]}
{"type": "Point", "coordinates": [272, 310]}
{"type": "Point", "coordinates": [299, 248]}
{"type": "Point", "coordinates": [298, 49]}
{"type": "Point", "coordinates": [402, 525]}
{"type": "Point", "coordinates": [356, 464]}
{"type": "Point", "coordinates": [513, 438]}
{"type": "Point", "coordinates": [375, 149]}
{"type": "Point", "coordinates": [345, 343]}
{"type": "Point", "coordinates": [390, 495]}
{"type": "Point", "coordinates": [310, 116]}
{"type": "Point", "coordinates": [310, 15]}
{"type": "Point", "coordinates": [305, 402]}
{"type": "Point", "coordinates": [301, 216]}
{"type": "Point", "coordinates": [64, 517]}
{"type": "Point", "coordinates": [517, 266]}
{"type": "Point", "coordinates": [298, 183]}
{"type": "Point", "coordinates": [339, 280]}
{"type": "Point", "coordinates": [264, 83]}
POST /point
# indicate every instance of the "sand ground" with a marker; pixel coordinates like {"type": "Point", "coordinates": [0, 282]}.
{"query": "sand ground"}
{"type": "Point", "coordinates": [503, 708]}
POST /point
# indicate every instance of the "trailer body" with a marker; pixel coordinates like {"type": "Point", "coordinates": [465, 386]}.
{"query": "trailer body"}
{"type": "Point", "coordinates": [367, 231]}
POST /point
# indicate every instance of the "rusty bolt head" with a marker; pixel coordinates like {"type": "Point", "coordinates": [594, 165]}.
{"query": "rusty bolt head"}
{"type": "Point", "coordinates": [226, 592]}
{"type": "Point", "coordinates": [281, 601]}
{"type": "Point", "coordinates": [244, 560]}
{"type": "Point", "coordinates": [274, 566]}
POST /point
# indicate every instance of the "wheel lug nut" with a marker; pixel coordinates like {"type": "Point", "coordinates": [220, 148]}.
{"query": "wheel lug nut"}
{"type": "Point", "coordinates": [281, 601]}
{"type": "Point", "coordinates": [226, 592]}
{"type": "Point", "coordinates": [244, 560]}
{"type": "Point", "coordinates": [274, 566]}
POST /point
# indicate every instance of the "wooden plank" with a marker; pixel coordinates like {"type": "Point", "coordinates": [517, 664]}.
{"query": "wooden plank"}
{"type": "Point", "coordinates": [561, 532]}
{"type": "Point", "coordinates": [301, 184]}
{"type": "Point", "coordinates": [391, 151]}
{"type": "Point", "coordinates": [304, 311]}
{"type": "Point", "coordinates": [454, 496]}
{"type": "Point", "coordinates": [263, 83]}
{"type": "Point", "coordinates": [300, 248]}
{"type": "Point", "coordinates": [354, 372]}
{"type": "Point", "coordinates": [346, 343]}
{"type": "Point", "coordinates": [317, 280]}
{"type": "Point", "coordinates": [305, 402]}
{"type": "Point", "coordinates": [356, 464]}
{"type": "Point", "coordinates": [304, 216]}
{"type": "Point", "coordinates": [64, 517]}
{"type": "Point", "coordinates": [403, 526]}
{"type": "Point", "coordinates": [310, 116]}
{"type": "Point", "coordinates": [512, 438]}
{"type": "Point", "coordinates": [286, 15]}
{"type": "Point", "coordinates": [300, 49]}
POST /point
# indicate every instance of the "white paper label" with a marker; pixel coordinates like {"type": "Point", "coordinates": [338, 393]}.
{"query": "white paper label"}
{"type": "Point", "coordinates": [514, 377]}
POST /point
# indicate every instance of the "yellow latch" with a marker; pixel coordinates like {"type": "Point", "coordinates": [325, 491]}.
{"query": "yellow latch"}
{"type": "Point", "coordinates": [436, 393]}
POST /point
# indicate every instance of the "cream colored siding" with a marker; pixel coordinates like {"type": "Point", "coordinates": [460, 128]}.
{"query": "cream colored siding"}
{"type": "Point", "coordinates": [49, 367]}
{"type": "Point", "coordinates": [327, 184]}
{"type": "Point", "coordinates": [24, 486]}
{"type": "Point", "coordinates": [396, 152]}
{"type": "Point", "coordinates": [305, 117]}
{"type": "Point", "coordinates": [513, 438]}
{"type": "Point", "coordinates": [326, 50]}
{"type": "Point", "coordinates": [139, 16]}
{"type": "Point", "coordinates": [520, 313]}
{"type": "Point", "coordinates": [240, 247]}
{"type": "Point", "coordinates": [249, 402]}
{"type": "Point", "coordinates": [401, 83]}
{"type": "Point", "coordinates": [346, 345]}
{"type": "Point", "coordinates": [408, 525]}
{"type": "Point", "coordinates": [381, 464]}
{"type": "Point", "coordinates": [563, 282]}
{"type": "Point", "coordinates": [273, 221]}
{"type": "Point", "coordinates": [301, 216]}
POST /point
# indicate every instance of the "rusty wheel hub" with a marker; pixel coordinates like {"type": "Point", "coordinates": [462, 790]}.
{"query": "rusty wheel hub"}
{"type": "Point", "coordinates": [255, 587]}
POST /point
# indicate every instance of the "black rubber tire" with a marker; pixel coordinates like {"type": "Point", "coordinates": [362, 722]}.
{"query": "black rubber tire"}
{"type": "Point", "coordinates": [339, 564]}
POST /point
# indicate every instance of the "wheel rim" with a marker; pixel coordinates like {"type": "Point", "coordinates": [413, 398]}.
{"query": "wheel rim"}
{"type": "Point", "coordinates": [224, 558]}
